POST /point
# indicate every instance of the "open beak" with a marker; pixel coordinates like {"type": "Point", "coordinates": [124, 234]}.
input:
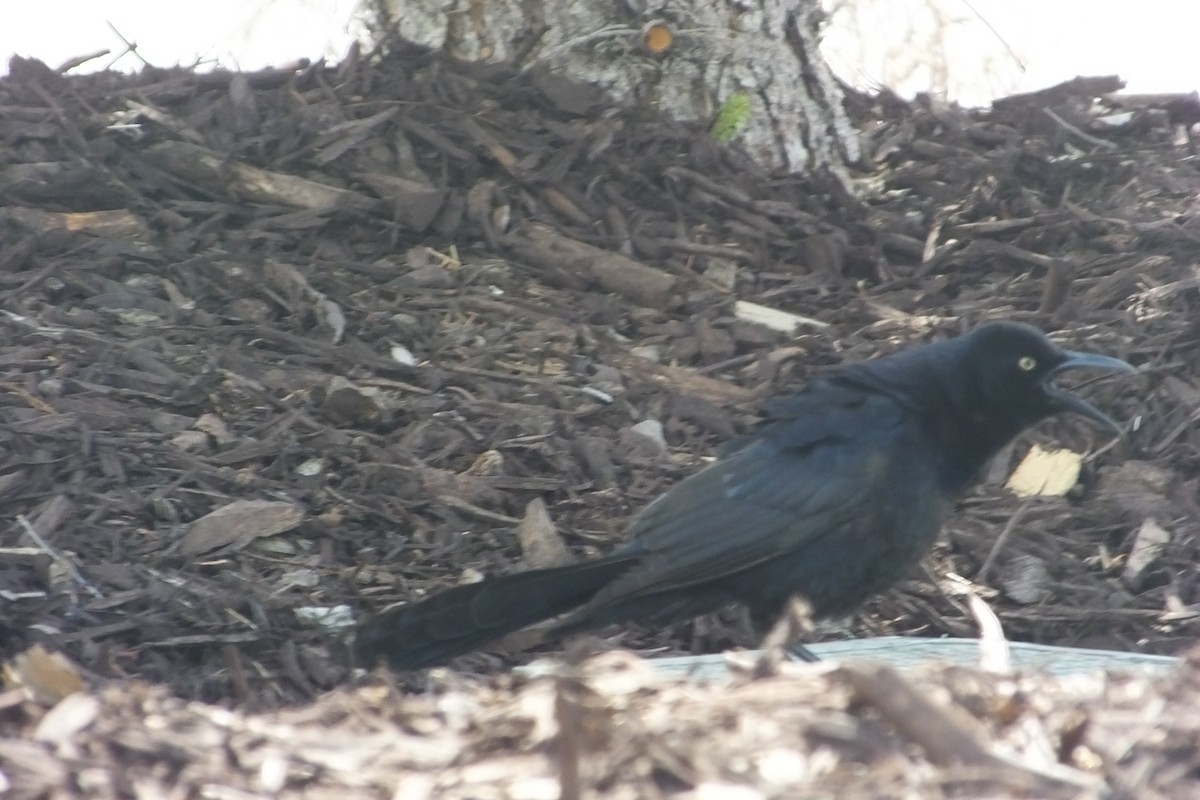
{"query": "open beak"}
{"type": "Point", "coordinates": [1070, 402]}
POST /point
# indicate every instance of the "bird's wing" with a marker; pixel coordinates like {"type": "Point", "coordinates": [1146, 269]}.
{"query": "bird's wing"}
{"type": "Point", "coordinates": [799, 479]}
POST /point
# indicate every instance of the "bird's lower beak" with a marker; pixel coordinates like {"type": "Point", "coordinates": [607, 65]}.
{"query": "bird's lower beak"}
{"type": "Point", "coordinates": [1071, 402]}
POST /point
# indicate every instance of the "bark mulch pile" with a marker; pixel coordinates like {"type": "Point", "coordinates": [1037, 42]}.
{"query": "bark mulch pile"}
{"type": "Point", "coordinates": [283, 347]}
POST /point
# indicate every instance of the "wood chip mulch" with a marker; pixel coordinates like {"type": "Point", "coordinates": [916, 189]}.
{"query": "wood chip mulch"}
{"type": "Point", "coordinates": [280, 348]}
{"type": "Point", "coordinates": [613, 727]}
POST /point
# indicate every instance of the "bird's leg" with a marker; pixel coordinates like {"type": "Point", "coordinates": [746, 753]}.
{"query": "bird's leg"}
{"type": "Point", "coordinates": [781, 642]}
{"type": "Point", "coordinates": [799, 652]}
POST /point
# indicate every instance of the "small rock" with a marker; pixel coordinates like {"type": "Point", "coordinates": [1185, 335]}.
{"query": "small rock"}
{"type": "Point", "coordinates": [431, 276]}
{"type": "Point", "coordinates": [644, 440]}
{"type": "Point", "coordinates": [51, 387]}
{"type": "Point", "coordinates": [1026, 579]}
{"type": "Point", "coordinates": [608, 380]}
{"type": "Point", "coordinates": [650, 352]}
{"type": "Point", "coordinates": [348, 404]}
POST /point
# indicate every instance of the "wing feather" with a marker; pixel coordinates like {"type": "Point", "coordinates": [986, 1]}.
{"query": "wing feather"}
{"type": "Point", "coordinates": [798, 480]}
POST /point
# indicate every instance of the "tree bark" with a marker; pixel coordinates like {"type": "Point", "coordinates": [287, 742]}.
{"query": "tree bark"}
{"type": "Point", "coordinates": [752, 67]}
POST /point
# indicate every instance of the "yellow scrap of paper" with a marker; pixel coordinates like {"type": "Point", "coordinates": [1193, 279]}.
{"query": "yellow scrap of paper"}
{"type": "Point", "coordinates": [1048, 473]}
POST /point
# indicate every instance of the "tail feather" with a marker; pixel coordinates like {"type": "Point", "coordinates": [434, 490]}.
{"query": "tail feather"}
{"type": "Point", "coordinates": [467, 617]}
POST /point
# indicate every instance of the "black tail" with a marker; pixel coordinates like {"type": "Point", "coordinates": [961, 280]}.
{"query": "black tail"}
{"type": "Point", "coordinates": [467, 617]}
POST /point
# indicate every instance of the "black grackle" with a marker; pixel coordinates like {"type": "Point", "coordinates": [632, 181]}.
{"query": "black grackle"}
{"type": "Point", "coordinates": [832, 499]}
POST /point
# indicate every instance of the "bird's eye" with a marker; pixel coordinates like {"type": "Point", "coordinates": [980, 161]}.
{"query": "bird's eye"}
{"type": "Point", "coordinates": [1027, 363]}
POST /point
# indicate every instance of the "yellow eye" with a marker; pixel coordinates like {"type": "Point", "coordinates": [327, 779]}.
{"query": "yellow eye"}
{"type": "Point", "coordinates": [1027, 363]}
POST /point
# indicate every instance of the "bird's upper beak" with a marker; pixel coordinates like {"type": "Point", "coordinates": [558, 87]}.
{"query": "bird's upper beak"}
{"type": "Point", "coordinates": [1071, 402]}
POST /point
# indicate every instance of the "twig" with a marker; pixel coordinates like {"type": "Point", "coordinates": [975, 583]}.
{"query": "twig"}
{"type": "Point", "coordinates": [795, 621]}
{"type": "Point", "coordinates": [948, 735]}
{"type": "Point", "coordinates": [1011, 526]}
{"type": "Point", "coordinates": [130, 48]}
{"type": "Point", "coordinates": [64, 564]}
{"type": "Point", "coordinates": [1087, 137]}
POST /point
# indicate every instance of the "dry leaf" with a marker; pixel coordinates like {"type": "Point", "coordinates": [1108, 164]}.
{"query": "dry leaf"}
{"type": "Point", "coordinates": [46, 676]}
{"type": "Point", "coordinates": [486, 464]}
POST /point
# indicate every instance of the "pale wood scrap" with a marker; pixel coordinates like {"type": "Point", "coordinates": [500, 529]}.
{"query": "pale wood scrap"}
{"type": "Point", "coordinates": [541, 546]}
{"type": "Point", "coordinates": [117, 223]}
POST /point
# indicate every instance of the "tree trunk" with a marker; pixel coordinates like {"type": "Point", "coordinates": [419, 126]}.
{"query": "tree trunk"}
{"type": "Point", "coordinates": [751, 67]}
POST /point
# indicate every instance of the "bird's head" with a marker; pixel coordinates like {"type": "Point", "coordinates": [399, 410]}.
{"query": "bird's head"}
{"type": "Point", "coordinates": [976, 393]}
{"type": "Point", "coordinates": [1013, 368]}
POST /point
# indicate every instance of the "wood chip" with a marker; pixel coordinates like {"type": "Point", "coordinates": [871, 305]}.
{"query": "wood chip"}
{"type": "Point", "coordinates": [541, 545]}
{"type": "Point", "coordinates": [239, 523]}
{"type": "Point", "coordinates": [1148, 544]}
